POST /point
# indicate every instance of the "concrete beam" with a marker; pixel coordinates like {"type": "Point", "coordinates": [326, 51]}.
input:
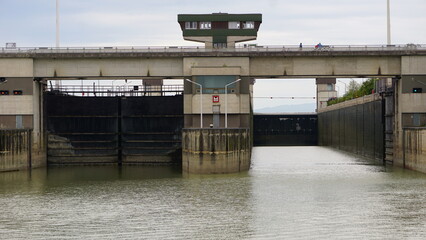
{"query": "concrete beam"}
{"type": "Point", "coordinates": [220, 62]}
{"type": "Point", "coordinates": [126, 67]}
{"type": "Point", "coordinates": [213, 71]}
{"type": "Point", "coordinates": [16, 67]}
{"type": "Point", "coordinates": [179, 64]}
{"type": "Point", "coordinates": [324, 66]}
{"type": "Point", "coordinates": [413, 65]}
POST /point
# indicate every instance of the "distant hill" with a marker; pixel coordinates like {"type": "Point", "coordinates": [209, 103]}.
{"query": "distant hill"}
{"type": "Point", "coordinates": [306, 107]}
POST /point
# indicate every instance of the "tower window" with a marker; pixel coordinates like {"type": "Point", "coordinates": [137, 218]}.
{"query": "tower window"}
{"type": "Point", "coordinates": [220, 45]}
{"type": "Point", "coordinates": [248, 25]}
{"type": "Point", "coordinates": [190, 25]}
{"type": "Point", "coordinates": [205, 25]}
{"type": "Point", "coordinates": [234, 25]}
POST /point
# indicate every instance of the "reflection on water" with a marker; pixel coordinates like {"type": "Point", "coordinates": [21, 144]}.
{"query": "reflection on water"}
{"type": "Point", "coordinates": [290, 192]}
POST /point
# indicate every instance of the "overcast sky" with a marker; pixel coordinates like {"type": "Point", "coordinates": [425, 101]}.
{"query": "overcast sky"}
{"type": "Point", "coordinates": [31, 23]}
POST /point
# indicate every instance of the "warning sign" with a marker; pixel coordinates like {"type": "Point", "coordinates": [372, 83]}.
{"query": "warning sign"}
{"type": "Point", "coordinates": [215, 98]}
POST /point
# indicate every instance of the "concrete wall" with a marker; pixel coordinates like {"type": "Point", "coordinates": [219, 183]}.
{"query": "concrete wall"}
{"type": "Point", "coordinates": [415, 149]}
{"type": "Point", "coordinates": [15, 150]}
{"type": "Point", "coordinates": [355, 126]}
{"type": "Point", "coordinates": [209, 151]}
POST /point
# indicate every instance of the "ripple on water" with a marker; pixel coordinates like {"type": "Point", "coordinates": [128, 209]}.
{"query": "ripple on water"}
{"type": "Point", "coordinates": [290, 192]}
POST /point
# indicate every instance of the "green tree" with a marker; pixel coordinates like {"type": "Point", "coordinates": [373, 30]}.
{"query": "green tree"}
{"type": "Point", "coordinates": [356, 90]}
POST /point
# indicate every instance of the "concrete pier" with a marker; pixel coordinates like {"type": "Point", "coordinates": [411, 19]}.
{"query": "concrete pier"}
{"type": "Point", "coordinates": [15, 149]}
{"type": "Point", "coordinates": [414, 149]}
{"type": "Point", "coordinates": [221, 150]}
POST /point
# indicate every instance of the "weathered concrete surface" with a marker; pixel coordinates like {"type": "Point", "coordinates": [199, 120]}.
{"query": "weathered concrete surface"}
{"type": "Point", "coordinates": [415, 149]}
{"type": "Point", "coordinates": [210, 151]}
{"type": "Point", "coordinates": [15, 150]}
{"type": "Point", "coordinates": [38, 152]}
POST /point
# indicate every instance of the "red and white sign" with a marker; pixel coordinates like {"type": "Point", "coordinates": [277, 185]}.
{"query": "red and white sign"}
{"type": "Point", "coordinates": [215, 98]}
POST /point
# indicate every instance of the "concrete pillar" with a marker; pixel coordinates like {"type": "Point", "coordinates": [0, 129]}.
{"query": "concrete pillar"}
{"type": "Point", "coordinates": [410, 116]}
{"type": "Point", "coordinates": [38, 151]}
{"type": "Point", "coordinates": [21, 107]}
{"type": "Point", "coordinates": [326, 89]}
{"type": "Point", "coordinates": [212, 151]}
{"type": "Point", "coordinates": [214, 148]}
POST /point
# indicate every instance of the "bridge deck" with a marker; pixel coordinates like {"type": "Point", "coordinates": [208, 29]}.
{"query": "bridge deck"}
{"type": "Point", "coordinates": [171, 51]}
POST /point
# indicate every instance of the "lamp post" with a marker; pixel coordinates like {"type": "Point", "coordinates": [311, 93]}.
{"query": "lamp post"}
{"type": "Point", "coordinates": [226, 101]}
{"type": "Point", "coordinates": [345, 86]}
{"type": "Point", "coordinates": [388, 22]}
{"type": "Point", "coordinates": [201, 100]}
{"type": "Point", "coordinates": [57, 23]}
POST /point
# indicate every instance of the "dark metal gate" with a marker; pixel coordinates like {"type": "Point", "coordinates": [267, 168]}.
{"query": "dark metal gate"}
{"type": "Point", "coordinates": [285, 130]}
{"type": "Point", "coordinates": [105, 130]}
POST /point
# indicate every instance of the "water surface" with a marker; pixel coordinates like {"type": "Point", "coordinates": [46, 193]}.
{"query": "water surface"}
{"type": "Point", "coordinates": [290, 192]}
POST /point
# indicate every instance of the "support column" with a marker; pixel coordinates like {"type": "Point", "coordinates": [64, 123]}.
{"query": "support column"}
{"type": "Point", "coordinates": [410, 120]}
{"type": "Point", "coordinates": [326, 89]}
{"type": "Point", "coordinates": [215, 148]}
{"type": "Point", "coordinates": [21, 107]}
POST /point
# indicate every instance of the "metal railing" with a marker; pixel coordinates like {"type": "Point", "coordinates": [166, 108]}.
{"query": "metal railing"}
{"type": "Point", "coordinates": [246, 48]}
{"type": "Point", "coordinates": [119, 90]}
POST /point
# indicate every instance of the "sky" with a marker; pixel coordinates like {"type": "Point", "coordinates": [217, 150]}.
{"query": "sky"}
{"type": "Point", "coordinates": [31, 23]}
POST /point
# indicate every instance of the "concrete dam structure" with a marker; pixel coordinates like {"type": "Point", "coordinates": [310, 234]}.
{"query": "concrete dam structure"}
{"type": "Point", "coordinates": [216, 97]}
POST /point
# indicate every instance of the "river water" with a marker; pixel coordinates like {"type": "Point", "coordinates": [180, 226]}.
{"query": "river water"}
{"type": "Point", "coordinates": [289, 193]}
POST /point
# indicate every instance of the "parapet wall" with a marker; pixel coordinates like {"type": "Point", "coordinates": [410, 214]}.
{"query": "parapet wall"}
{"type": "Point", "coordinates": [355, 126]}
{"type": "Point", "coordinates": [216, 150]}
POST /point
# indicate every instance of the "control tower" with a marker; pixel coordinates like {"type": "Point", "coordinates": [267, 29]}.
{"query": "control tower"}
{"type": "Point", "coordinates": [220, 30]}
